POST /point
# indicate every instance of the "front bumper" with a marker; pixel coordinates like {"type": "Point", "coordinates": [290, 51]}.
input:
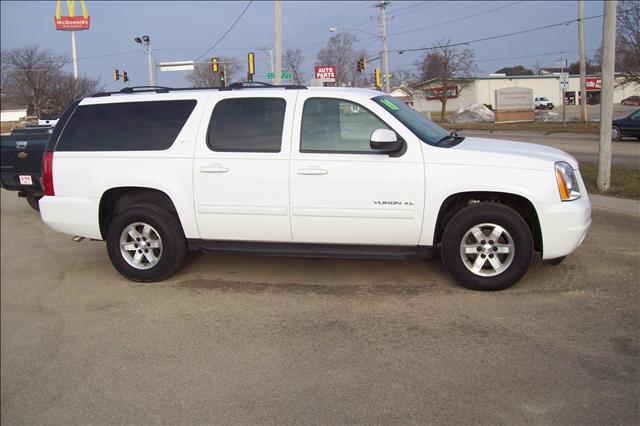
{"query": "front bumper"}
{"type": "Point", "coordinates": [564, 225]}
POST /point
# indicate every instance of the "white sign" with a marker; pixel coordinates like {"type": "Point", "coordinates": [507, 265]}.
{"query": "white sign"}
{"type": "Point", "coordinates": [514, 98]}
{"type": "Point", "coordinates": [564, 80]}
{"type": "Point", "coordinates": [25, 180]}
{"type": "Point", "coordinates": [176, 66]}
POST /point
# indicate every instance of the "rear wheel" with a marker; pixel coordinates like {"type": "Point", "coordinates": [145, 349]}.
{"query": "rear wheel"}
{"type": "Point", "coordinates": [487, 246]}
{"type": "Point", "coordinates": [146, 243]}
{"type": "Point", "coordinates": [616, 134]}
{"type": "Point", "coordinates": [33, 200]}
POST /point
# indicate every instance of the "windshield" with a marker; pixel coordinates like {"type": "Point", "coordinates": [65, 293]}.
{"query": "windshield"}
{"type": "Point", "coordinates": [543, 99]}
{"type": "Point", "coordinates": [421, 126]}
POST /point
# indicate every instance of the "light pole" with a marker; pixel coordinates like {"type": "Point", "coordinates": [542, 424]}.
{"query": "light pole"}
{"type": "Point", "coordinates": [144, 41]}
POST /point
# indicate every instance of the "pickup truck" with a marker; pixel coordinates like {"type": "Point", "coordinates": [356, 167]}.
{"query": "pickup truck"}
{"type": "Point", "coordinates": [21, 163]}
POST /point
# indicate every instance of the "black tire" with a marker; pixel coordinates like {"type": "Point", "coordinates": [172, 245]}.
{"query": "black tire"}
{"type": "Point", "coordinates": [487, 213]}
{"type": "Point", "coordinates": [166, 228]}
{"type": "Point", "coordinates": [556, 261]}
{"type": "Point", "coordinates": [33, 200]}
{"type": "Point", "coordinates": [616, 133]}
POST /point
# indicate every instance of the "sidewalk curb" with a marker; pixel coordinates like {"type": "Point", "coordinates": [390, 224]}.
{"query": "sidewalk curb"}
{"type": "Point", "coordinates": [619, 205]}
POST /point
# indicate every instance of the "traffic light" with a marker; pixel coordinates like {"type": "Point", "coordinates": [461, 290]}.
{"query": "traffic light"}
{"type": "Point", "coordinates": [124, 77]}
{"type": "Point", "coordinates": [252, 66]}
{"type": "Point", "coordinates": [362, 64]}
{"type": "Point", "coordinates": [378, 78]}
{"type": "Point", "coordinates": [221, 76]}
{"type": "Point", "coordinates": [214, 64]}
{"type": "Point", "coordinates": [116, 74]}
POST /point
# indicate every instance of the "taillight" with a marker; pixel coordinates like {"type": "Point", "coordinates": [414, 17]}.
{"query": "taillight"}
{"type": "Point", "coordinates": [47, 174]}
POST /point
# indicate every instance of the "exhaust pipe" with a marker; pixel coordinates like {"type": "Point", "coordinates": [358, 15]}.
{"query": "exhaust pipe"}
{"type": "Point", "coordinates": [77, 239]}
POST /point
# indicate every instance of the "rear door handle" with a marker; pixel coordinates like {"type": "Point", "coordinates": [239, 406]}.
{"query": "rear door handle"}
{"type": "Point", "coordinates": [313, 170]}
{"type": "Point", "coordinates": [214, 168]}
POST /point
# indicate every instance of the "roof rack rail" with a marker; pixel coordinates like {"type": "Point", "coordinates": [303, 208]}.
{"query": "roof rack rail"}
{"type": "Point", "coordinates": [233, 86]}
{"type": "Point", "coordinates": [262, 85]}
{"type": "Point", "coordinates": [135, 89]}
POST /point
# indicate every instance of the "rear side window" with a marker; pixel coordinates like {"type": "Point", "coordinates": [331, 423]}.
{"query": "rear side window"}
{"type": "Point", "coordinates": [247, 125]}
{"type": "Point", "coordinates": [128, 126]}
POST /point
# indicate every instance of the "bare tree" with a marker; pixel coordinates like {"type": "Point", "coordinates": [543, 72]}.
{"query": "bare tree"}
{"type": "Point", "coordinates": [203, 76]}
{"type": "Point", "coordinates": [30, 72]}
{"type": "Point", "coordinates": [340, 52]}
{"type": "Point", "coordinates": [536, 68]}
{"type": "Point", "coordinates": [450, 66]}
{"type": "Point", "coordinates": [65, 89]}
{"type": "Point", "coordinates": [293, 59]}
{"type": "Point", "coordinates": [402, 75]}
{"type": "Point", "coordinates": [628, 41]}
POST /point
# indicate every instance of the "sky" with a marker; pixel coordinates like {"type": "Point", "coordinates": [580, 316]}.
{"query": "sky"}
{"type": "Point", "coordinates": [185, 30]}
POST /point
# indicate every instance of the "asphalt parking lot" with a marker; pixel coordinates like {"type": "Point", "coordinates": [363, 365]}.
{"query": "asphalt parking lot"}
{"type": "Point", "coordinates": [253, 340]}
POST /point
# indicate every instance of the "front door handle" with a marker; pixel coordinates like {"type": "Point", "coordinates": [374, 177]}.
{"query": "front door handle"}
{"type": "Point", "coordinates": [313, 170]}
{"type": "Point", "coordinates": [214, 168]}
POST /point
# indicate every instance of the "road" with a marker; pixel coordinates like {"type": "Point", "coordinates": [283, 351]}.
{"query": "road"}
{"type": "Point", "coordinates": [251, 340]}
{"type": "Point", "coordinates": [583, 147]}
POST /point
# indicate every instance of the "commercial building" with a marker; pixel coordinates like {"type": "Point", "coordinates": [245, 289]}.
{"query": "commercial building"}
{"type": "Point", "coordinates": [481, 90]}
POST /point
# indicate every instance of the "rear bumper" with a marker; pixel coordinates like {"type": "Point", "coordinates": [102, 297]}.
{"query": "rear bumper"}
{"type": "Point", "coordinates": [72, 215]}
{"type": "Point", "coordinates": [11, 182]}
{"type": "Point", "coordinates": [564, 226]}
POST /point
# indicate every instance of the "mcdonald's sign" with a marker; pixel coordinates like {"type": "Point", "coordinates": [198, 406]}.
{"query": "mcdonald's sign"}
{"type": "Point", "coordinates": [72, 22]}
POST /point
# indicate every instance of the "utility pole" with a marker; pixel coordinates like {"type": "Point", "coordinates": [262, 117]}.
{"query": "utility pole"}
{"type": "Point", "coordinates": [74, 54]}
{"type": "Point", "coordinates": [278, 47]}
{"type": "Point", "coordinates": [583, 64]}
{"type": "Point", "coordinates": [385, 60]}
{"type": "Point", "coordinates": [606, 95]}
{"type": "Point", "coordinates": [561, 64]}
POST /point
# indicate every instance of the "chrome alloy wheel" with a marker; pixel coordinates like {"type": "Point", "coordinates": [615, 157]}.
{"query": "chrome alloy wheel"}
{"type": "Point", "coordinates": [487, 249]}
{"type": "Point", "coordinates": [140, 245]}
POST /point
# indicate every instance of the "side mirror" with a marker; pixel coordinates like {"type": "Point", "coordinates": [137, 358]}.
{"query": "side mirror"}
{"type": "Point", "coordinates": [385, 140]}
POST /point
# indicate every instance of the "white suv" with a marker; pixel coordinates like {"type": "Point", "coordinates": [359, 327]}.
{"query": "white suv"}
{"type": "Point", "coordinates": [336, 172]}
{"type": "Point", "coordinates": [542, 103]}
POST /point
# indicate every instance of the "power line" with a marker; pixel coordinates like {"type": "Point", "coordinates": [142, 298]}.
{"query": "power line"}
{"type": "Point", "coordinates": [458, 19]}
{"type": "Point", "coordinates": [227, 32]}
{"type": "Point", "coordinates": [565, 23]}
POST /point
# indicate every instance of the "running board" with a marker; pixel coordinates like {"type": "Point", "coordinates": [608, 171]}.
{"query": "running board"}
{"type": "Point", "coordinates": [311, 250]}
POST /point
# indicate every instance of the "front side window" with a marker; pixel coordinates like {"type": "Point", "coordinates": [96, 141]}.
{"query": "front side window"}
{"type": "Point", "coordinates": [247, 125]}
{"type": "Point", "coordinates": [337, 125]}
{"type": "Point", "coordinates": [421, 126]}
{"type": "Point", "coordinates": [125, 126]}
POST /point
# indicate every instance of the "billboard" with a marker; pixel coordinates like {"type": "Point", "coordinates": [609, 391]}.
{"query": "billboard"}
{"type": "Point", "coordinates": [72, 22]}
{"type": "Point", "coordinates": [326, 73]}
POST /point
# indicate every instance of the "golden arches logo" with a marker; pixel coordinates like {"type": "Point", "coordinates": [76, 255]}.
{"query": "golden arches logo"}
{"type": "Point", "coordinates": [72, 22]}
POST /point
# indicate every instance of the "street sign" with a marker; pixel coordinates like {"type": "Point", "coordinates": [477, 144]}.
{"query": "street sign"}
{"type": "Point", "coordinates": [72, 22]}
{"type": "Point", "coordinates": [326, 73]}
{"type": "Point", "coordinates": [284, 75]}
{"type": "Point", "coordinates": [176, 66]}
{"type": "Point", "coordinates": [564, 80]}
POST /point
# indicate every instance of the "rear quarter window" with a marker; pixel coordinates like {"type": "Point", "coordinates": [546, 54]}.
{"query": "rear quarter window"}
{"type": "Point", "coordinates": [127, 126]}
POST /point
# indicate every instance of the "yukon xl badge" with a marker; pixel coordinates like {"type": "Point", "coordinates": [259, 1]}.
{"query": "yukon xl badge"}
{"type": "Point", "coordinates": [393, 203]}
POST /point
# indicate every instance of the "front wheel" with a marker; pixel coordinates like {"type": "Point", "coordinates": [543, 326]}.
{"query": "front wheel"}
{"type": "Point", "coordinates": [487, 246]}
{"type": "Point", "coordinates": [616, 134]}
{"type": "Point", "coordinates": [146, 243]}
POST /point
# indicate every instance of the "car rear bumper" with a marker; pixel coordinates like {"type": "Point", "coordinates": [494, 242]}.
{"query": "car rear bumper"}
{"type": "Point", "coordinates": [11, 182]}
{"type": "Point", "coordinates": [71, 215]}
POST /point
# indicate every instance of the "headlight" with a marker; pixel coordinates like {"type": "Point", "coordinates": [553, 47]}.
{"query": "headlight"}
{"type": "Point", "coordinates": [567, 182]}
